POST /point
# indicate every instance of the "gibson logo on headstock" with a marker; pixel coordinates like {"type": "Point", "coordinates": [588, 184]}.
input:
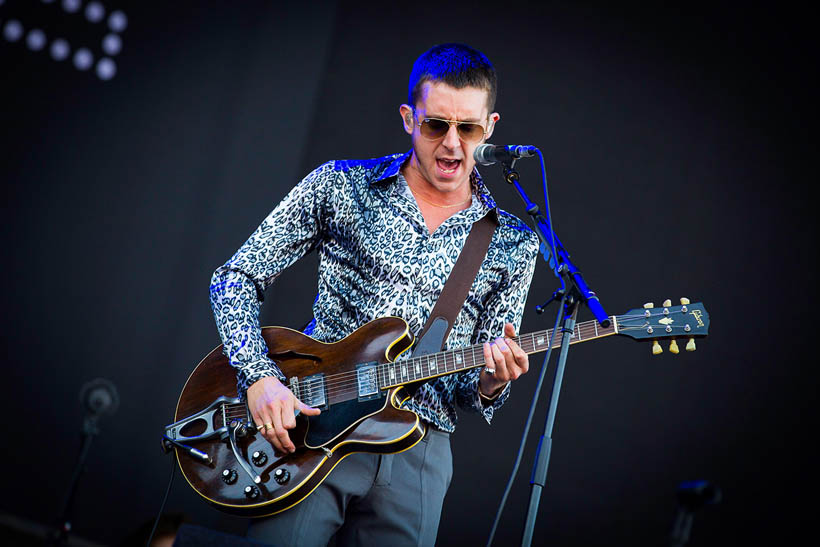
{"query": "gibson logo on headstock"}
{"type": "Point", "coordinates": [698, 316]}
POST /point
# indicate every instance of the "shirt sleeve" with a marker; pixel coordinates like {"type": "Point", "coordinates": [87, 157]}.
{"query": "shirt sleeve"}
{"type": "Point", "coordinates": [289, 232]}
{"type": "Point", "coordinates": [505, 305]}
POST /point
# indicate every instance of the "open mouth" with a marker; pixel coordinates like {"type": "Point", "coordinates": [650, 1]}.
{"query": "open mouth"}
{"type": "Point", "coordinates": [448, 167]}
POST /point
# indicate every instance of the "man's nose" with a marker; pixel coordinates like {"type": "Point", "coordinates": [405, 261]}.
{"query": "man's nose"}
{"type": "Point", "coordinates": [451, 139]}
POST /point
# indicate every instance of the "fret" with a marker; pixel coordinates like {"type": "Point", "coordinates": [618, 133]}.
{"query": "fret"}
{"type": "Point", "coordinates": [578, 326]}
{"type": "Point", "coordinates": [595, 324]}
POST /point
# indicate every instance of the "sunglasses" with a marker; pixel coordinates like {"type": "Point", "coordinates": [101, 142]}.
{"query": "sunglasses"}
{"type": "Point", "coordinates": [434, 129]}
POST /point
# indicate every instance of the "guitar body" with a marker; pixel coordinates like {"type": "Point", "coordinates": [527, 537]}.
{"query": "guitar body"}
{"type": "Point", "coordinates": [344, 427]}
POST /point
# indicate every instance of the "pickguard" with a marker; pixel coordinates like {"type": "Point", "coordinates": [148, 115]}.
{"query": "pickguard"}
{"type": "Point", "coordinates": [337, 418]}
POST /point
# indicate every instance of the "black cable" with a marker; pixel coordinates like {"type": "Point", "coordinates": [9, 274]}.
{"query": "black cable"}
{"type": "Point", "coordinates": [533, 406]}
{"type": "Point", "coordinates": [165, 499]}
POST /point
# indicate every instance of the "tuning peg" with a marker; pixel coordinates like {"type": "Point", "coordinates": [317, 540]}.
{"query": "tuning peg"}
{"type": "Point", "coordinates": [684, 301]}
{"type": "Point", "coordinates": [649, 305]}
{"type": "Point", "coordinates": [667, 303]}
{"type": "Point", "coordinates": [690, 345]}
{"type": "Point", "coordinates": [656, 348]}
{"type": "Point", "coordinates": [673, 347]}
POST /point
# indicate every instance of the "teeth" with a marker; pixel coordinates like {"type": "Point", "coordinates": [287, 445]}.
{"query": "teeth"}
{"type": "Point", "coordinates": [443, 163]}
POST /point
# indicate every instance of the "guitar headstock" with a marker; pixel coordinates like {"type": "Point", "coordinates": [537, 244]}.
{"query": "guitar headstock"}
{"type": "Point", "coordinates": [650, 323]}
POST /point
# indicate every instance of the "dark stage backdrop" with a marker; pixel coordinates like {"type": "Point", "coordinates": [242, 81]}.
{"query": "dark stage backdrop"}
{"type": "Point", "coordinates": [675, 143]}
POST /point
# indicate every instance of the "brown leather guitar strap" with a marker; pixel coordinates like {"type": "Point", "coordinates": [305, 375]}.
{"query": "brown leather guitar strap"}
{"type": "Point", "coordinates": [455, 290]}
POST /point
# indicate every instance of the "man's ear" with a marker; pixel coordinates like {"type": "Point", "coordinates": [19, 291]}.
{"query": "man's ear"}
{"type": "Point", "coordinates": [494, 117]}
{"type": "Point", "coordinates": [406, 112]}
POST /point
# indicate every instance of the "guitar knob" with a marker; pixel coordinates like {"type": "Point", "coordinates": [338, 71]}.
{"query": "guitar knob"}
{"type": "Point", "coordinates": [690, 345]}
{"type": "Point", "coordinates": [673, 347]}
{"type": "Point", "coordinates": [649, 305]}
{"type": "Point", "coordinates": [684, 301]}
{"type": "Point", "coordinates": [656, 348]}
{"type": "Point", "coordinates": [666, 303]}
{"type": "Point", "coordinates": [281, 476]}
{"type": "Point", "coordinates": [259, 458]}
{"type": "Point", "coordinates": [251, 492]}
{"type": "Point", "coordinates": [229, 476]}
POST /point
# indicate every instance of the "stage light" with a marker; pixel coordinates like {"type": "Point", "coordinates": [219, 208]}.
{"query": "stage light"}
{"type": "Point", "coordinates": [71, 6]}
{"type": "Point", "coordinates": [94, 12]}
{"type": "Point", "coordinates": [117, 21]}
{"type": "Point", "coordinates": [59, 49]}
{"type": "Point", "coordinates": [106, 68]}
{"type": "Point", "coordinates": [83, 59]}
{"type": "Point", "coordinates": [112, 44]}
{"type": "Point", "coordinates": [12, 30]}
{"type": "Point", "coordinates": [36, 39]}
{"type": "Point", "coordinates": [85, 51]}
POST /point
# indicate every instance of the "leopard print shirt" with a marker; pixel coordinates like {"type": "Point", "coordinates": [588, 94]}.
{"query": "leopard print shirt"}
{"type": "Point", "coordinates": [376, 258]}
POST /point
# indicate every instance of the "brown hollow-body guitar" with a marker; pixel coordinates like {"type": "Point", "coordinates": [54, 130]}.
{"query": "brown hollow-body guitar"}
{"type": "Point", "coordinates": [359, 385]}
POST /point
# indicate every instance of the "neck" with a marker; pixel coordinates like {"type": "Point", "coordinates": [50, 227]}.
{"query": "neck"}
{"type": "Point", "coordinates": [459, 193]}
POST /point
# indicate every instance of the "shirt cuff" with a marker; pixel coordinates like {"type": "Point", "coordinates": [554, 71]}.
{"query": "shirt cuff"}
{"type": "Point", "coordinates": [490, 408]}
{"type": "Point", "coordinates": [251, 373]}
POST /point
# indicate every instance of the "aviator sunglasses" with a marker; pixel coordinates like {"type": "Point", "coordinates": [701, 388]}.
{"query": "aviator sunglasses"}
{"type": "Point", "coordinates": [435, 128]}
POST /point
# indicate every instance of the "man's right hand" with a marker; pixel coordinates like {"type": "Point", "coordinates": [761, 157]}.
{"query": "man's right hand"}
{"type": "Point", "coordinates": [272, 405]}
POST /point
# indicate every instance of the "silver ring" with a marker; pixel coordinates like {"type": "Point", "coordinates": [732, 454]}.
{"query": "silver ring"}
{"type": "Point", "coordinates": [489, 370]}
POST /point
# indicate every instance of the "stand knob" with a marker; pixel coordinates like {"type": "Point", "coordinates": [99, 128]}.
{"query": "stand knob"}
{"type": "Point", "coordinates": [229, 476]}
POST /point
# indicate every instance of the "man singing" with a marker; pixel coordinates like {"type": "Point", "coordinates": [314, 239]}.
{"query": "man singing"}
{"type": "Point", "coordinates": [388, 232]}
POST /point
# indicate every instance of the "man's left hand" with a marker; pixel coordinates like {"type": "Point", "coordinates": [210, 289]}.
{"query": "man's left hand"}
{"type": "Point", "coordinates": [504, 361]}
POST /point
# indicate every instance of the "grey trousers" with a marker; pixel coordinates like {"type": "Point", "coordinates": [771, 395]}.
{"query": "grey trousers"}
{"type": "Point", "coordinates": [370, 499]}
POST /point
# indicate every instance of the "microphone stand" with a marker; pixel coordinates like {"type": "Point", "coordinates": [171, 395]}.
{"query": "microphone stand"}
{"type": "Point", "coordinates": [89, 431]}
{"type": "Point", "coordinates": [576, 291]}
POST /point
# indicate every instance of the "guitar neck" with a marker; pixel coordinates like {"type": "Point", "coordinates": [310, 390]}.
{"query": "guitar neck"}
{"type": "Point", "coordinates": [447, 362]}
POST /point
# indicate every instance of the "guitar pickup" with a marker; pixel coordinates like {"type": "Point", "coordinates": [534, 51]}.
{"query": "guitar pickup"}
{"type": "Point", "coordinates": [367, 380]}
{"type": "Point", "coordinates": [314, 391]}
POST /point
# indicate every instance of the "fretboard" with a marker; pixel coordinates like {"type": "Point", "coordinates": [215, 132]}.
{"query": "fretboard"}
{"type": "Point", "coordinates": [450, 361]}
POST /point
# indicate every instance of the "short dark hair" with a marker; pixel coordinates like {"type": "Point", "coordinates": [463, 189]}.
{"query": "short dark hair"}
{"type": "Point", "coordinates": [457, 65]}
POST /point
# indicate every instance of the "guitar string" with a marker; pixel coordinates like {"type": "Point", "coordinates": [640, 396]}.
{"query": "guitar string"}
{"type": "Point", "coordinates": [337, 391]}
{"type": "Point", "coordinates": [527, 343]}
{"type": "Point", "coordinates": [346, 383]}
{"type": "Point", "coordinates": [341, 383]}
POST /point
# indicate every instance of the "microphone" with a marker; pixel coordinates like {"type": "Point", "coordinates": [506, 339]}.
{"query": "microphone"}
{"type": "Point", "coordinates": [488, 154]}
{"type": "Point", "coordinates": [99, 397]}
